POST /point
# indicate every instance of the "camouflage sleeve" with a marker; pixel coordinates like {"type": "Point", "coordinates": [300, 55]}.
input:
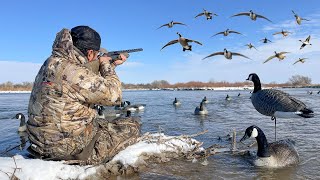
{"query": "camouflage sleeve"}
{"type": "Point", "coordinates": [104, 89]}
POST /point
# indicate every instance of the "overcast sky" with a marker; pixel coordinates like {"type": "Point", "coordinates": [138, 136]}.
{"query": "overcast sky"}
{"type": "Point", "coordinates": [29, 29]}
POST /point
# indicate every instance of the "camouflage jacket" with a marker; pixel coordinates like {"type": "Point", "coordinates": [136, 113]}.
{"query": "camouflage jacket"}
{"type": "Point", "coordinates": [61, 103]}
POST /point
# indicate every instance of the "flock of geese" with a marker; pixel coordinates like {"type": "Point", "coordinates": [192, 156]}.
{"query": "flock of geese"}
{"type": "Point", "coordinates": [185, 42]}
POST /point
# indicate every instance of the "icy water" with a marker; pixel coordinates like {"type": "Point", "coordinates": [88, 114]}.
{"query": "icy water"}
{"type": "Point", "coordinates": [223, 117]}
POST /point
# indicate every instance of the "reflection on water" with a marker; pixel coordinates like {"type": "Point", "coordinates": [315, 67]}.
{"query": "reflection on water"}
{"type": "Point", "coordinates": [223, 117]}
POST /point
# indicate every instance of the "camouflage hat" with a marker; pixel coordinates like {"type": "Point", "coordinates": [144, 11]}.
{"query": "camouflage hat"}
{"type": "Point", "coordinates": [84, 37]}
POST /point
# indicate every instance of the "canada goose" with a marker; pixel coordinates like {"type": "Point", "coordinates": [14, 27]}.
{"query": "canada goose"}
{"type": "Point", "coordinates": [134, 107]}
{"type": "Point", "coordinates": [277, 154]}
{"type": "Point", "coordinates": [122, 105]}
{"type": "Point", "coordinates": [176, 102]}
{"type": "Point", "coordinates": [252, 15]}
{"type": "Point", "coordinates": [227, 54]}
{"type": "Point", "coordinates": [251, 46]}
{"type": "Point", "coordinates": [183, 41]}
{"type": "Point", "coordinates": [302, 60]}
{"type": "Point", "coordinates": [284, 33]}
{"type": "Point", "coordinates": [201, 110]}
{"type": "Point", "coordinates": [305, 42]}
{"type": "Point", "coordinates": [100, 111]}
{"type": "Point", "coordinates": [22, 119]}
{"type": "Point", "coordinates": [207, 14]}
{"type": "Point", "coordinates": [205, 100]}
{"type": "Point", "coordinates": [265, 40]}
{"type": "Point", "coordinates": [276, 103]}
{"type": "Point", "coordinates": [280, 56]}
{"type": "Point", "coordinates": [107, 114]}
{"type": "Point", "coordinates": [318, 92]}
{"type": "Point", "coordinates": [228, 98]}
{"type": "Point", "coordinates": [298, 18]}
{"type": "Point", "coordinates": [226, 32]}
{"type": "Point", "coordinates": [239, 95]}
{"type": "Point", "coordinates": [170, 24]}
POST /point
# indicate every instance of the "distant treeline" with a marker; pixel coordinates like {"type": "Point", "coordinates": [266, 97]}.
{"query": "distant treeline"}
{"type": "Point", "coordinates": [9, 86]}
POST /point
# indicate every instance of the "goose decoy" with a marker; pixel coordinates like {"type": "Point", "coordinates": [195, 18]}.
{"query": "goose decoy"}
{"type": "Point", "coordinates": [176, 102]}
{"type": "Point", "coordinates": [228, 98]}
{"type": "Point", "coordinates": [201, 110]}
{"type": "Point", "coordinates": [318, 92]}
{"type": "Point", "coordinates": [170, 24]}
{"type": "Point", "coordinates": [183, 41]}
{"type": "Point", "coordinates": [252, 15]}
{"type": "Point", "coordinates": [207, 14]}
{"type": "Point", "coordinates": [276, 103]}
{"type": "Point", "coordinates": [302, 60]}
{"type": "Point", "coordinates": [280, 56]}
{"type": "Point", "coordinates": [298, 18]}
{"type": "Point", "coordinates": [250, 46]}
{"type": "Point", "coordinates": [310, 92]}
{"type": "Point", "coordinates": [305, 42]}
{"type": "Point", "coordinates": [239, 95]}
{"type": "Point", "coordinates": [122, 105]}
{"type": "Point", "coordinates": [284, 33]}
{"type": "Point", "coordinates": [205, 100]}
{"type": "Point", "coordinates": [100, 110]}
{"type": "Point", "coordinates": [134, 107]}
{"type": "Point", "coordinates": [226, 32]}
{"type": "Point", "coordinates": [22, 119]}
{"type": "Point", "coordinates": [276, 154]}
{"type": "Point", "coordinates": [227, 54]}
{"type": "Point", "coordinates": [265, 40]}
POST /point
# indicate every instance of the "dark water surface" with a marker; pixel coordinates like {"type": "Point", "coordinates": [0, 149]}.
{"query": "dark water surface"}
{"type": "Point", "coordinates": [223, 117]}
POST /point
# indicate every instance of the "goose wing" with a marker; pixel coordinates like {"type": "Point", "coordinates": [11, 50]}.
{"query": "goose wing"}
{"type": "Point", "coordinates": [170, 43]}
{"type": "Point", "coordinates": [271, 57]}
{"type": "Point", "coordinates": [234, 32]}
{"type": "Point", "coordinates": [296, 62]}
{"type": "Point", "coordinates": [242, 14]}
{"type": "Point", "coordinates": [305, 19]}
{"type": "Point", "coordinates": [238, 54]}
{"type": "Point", "coordinates": [284, 151]}
{"type": "Point", "coordinates": [179, 23]}
{"type": "Point", "coordinates": [163, 26]}
{"type": "Point", "coordinates": [284, 52]}
{"type": "Point", "coordinates": [259, 16]}
{"type": "Point", "coordinates": [308, 38]}
{"type": "Point", "coordinates": [190, 40]}
{"type": "Point", "coordinates": [214, 54]}
{"type": "Point", "coordinates": [255, 48]}
{"type": "Point", "coordinates": [277, 33]}
{"type": "Point", "coordinates": [199, 15]}
{"type": "Point", "coordinates": [218, 33]}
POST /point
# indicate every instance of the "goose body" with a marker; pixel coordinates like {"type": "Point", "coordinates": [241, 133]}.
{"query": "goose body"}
{"type": "Point", "coordinates": [305, 42]}
{"type": "Point", "coordinates": [183, 42]}
{"type": "Point", "coordinates": [227, 32]}
{"type": "Point", "coordinates": [22, 126]}
{"type": "Point", "coordinates": [272, 155]}
{"type": "Point", "coordinates": [250, 46]}
{"type": "Point", "coordinates": [170, 24]}
{"type": "Point", "coordinates": [265, 40]}
{"type": "Point", "coordinates": [298, 18]}
{"type": "Point", "coordinates": [176, 102]}
{"type": "Point", "coordinates": [207, 14]}
{"type": "Point", "coordinates": [253, 16]}
{"type": "Point", "coordinates": [284, 33]}
{"type": "Point", "coordinates": [302, 60]}
{"type": "Point", "coordinates": [280, 56]}
{"type": "Point", "coordinates": [227, 54]}
{"type": "Point", "coordinates": [201, 110]}
{"type": "Point", "coordinates": [228, 98]}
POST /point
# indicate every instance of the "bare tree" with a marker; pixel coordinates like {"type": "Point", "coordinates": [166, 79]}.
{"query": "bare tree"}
{"type": "Point", "coordinates": [298, 80]}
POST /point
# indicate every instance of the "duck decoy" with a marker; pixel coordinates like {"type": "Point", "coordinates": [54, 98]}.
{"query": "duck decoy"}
{"type": "Point", "coordinates": [280, 56]}
{"type": "Point", "coordinates": [302, 60]}
{"type": "Point", "coordinates": [201, 110]}
{"type": "Point", "coordinates": [22, 126]}
{"type": "Point", "coordinates": [265, 40]}
{"type": "Point", "coordinates": [226, 32]}
{"type": "Point", "coordinates": [227, 54]}
{"type": "Point", "coordinates": [272, 155]}
{"type": "Point", "coordinates": [284, 33]}
{"type": "Point", "coordinates": [170, 24]}
{"type": "Point", "coordinates": [207, 14]}
{"type": "Point", "coordinates": [183, 41]}
{"type": "Point", "coordinates": [176, 102]}
{"type": "Point", "coordinates": [276, 103]}
{"type": "Point", "coordinates": [253, 16]}
{"type": "Point", "coordinates": [250, 46]}
{"type": "Point", "coordinates": [298, 18]}
{"type": "Point", "coordinates": [305, 42]}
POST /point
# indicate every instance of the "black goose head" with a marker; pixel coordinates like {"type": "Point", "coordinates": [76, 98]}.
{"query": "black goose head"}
{"type": "Point", "coordinates": [21, 117]}
{"type": "Point", "coordinates": [256, 81]}
{"type": "Point", "coordinates": [179, 34]}
{"type": "Point", "coordinates": [252, 131]}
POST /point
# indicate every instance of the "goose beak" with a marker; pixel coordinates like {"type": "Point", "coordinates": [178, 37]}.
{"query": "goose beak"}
{"type": "Point", "coordinates": [244, 137]}
{"type": "Point", "coordinates": [247, 79]}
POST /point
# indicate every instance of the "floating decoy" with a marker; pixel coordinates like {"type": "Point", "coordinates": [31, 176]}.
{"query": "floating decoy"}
{"type": "Point", "coordinates": [280, 56]}
{"type": "Point", "coordinates": [22, 119]}
{"type": "Point", "coordinates": [226, 32]}
{"type": "Point", "coordinates": [205, 100]}
{"type": "Point", "coordinates": [170, 24]}
{"type": "Point", "coordinates": [302, 60]}
{"type": "Point", "coordinates": [298, 18]}
{"type": "Point", "coordinates": [207, 14]}
{"type": "Point", "coordinates": [183, 41]}
{"type": "Point", "coordinates": [176, 102]}
{"type": "Point", "coordinates": [239, 94]}
{"type": "Point", "coordinates": [228, 98]}
{"type": "Point", "coordinates": [276, 103]}
{"type": "Point", "coordinates": [318, 92]}
{"type": "Point", "coordinates": [284, 33]}
{"type": "Point", "coordinates": [227, 54]}
{"type": "Point", "coordinates": [272, 155]}
{"type": "Point", "coordinates": [305, 42]}
{"type": "Point", "coordinates": [251, 46]}
{"type": "Point", "coordinates": [265, 40]}
{"type": "Point", "coordinates": [201, 110]}
{"type": "Point", "coordinates": [253, 16]}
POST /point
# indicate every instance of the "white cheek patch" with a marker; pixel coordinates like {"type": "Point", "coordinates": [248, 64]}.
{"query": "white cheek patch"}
{"type": "Point", "coordinates": [19, 117]}
{"type": "Point", "coordinates": [250, 78]}
{"type": "Point", "coordinates": [254, 133]}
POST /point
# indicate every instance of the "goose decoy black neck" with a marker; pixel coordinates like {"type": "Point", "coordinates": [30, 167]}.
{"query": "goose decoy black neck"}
{"type": "Point", "coordinates": [21, 117]}
{"type": "Point", "coordinates": [201, 106]}
{"type": "Point", "coordinates": [256, 81]}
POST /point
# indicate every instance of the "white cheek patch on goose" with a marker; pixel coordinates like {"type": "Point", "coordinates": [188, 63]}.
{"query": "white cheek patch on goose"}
{"type": "Point", "coordinates": [250, 78]}
{"type": "Point", "coordinates": [19, 117]}
{"type": "Point", "coordinates": [254, 133]}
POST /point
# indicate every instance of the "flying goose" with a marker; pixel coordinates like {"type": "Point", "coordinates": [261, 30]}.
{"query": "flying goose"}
{"type": "Point", "coordinates": [205, 100]}
{"type": "Point", "coordinates": [284, 33]}
{"type": "Point", "coordinates": [201, 110]}
{"type": "Point", "coordinates": [276, 103]}
{"type": "Point", "coordinates": [183, 41]}
{"type": "Point", "coordinates": [272, 155]}
{"type": "Point", "coordinates": [280, 56]}
{"type": "Point", "coordinates": [252, 15]}
{"type": "Point", "coordinates": [298, 18]}
{"type": "Point", "coordinates": [22, 119]}
{"type": "Point", "coordinates": [305, 42]}
{"type": "Point", "coordinates": [227, 54]}
{"type": "Point", "coordinates": [265, 40]}
{"type": "Point", "coordinates": [250, 46]}
{"type": "Point", "coordinates": [170, 24]}
{"type": "Point", "coordinates": [226, 32]}
{"type": "Point", "coordinates": [302, 60]}
{"type": "Point", "coordinates": [207, 14]}
{"type": "Point", "coordinates": [176, 102]}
